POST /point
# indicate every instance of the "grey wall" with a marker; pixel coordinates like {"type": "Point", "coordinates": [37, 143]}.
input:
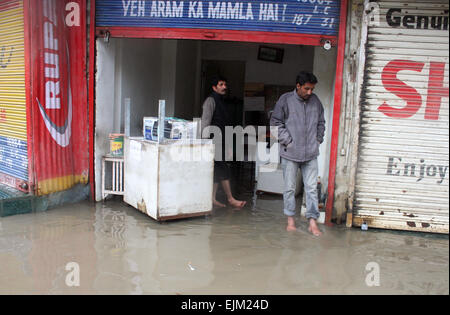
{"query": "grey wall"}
{"type": "Point", "coordinates": [155, 69]}
{"type": "Point", "coordinates": [296, 58]}
{"type": "Point", "coordinates": [167, 74]}
{"type": "Point", "coordinates": [186, 81]}
{"type": "Point", "coordinates": [139, 80]}
{"type": "Point", "coordinates": [143, 70]}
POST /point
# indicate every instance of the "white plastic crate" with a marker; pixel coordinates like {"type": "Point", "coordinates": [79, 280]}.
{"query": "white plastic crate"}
{"type": "Point", "coordinates": [116, 186]}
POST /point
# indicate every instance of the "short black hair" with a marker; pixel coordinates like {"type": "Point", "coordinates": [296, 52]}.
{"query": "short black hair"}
{"type": "Point", "coordinates": [216, 79]}
{"type": "Point", "coordinates": [306, 77]}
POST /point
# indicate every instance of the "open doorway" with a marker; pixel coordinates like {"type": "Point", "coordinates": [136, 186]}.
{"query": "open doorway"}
{"type": "Point", "coordinates": [147, 70]}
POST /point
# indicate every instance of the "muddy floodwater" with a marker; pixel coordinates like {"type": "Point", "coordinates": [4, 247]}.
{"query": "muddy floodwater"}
{"type": "Point", "coordinates": [111, 248]}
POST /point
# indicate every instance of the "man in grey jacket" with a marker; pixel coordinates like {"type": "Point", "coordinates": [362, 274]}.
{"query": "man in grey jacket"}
{"type": "Point", "coordinates": [299, 116]}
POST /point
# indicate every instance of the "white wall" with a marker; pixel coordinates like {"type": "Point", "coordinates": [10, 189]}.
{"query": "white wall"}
{"type": "Point", "coordinates": [104, 109]}
{"type": "Point", "coordinates": [325, 70]}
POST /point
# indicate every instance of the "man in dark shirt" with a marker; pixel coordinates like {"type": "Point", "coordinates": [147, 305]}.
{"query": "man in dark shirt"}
{"type": "Point", "coordinates": [215, 113]}
{"type": "Point", "coordinates": [299, 116]}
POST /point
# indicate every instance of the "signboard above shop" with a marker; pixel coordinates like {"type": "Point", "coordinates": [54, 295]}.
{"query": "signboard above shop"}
{"type": "Point", "coordinates": [314, 17]}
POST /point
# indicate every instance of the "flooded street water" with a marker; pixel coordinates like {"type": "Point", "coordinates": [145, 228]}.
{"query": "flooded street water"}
{"type": "Point", "coordinates": [121, 251]}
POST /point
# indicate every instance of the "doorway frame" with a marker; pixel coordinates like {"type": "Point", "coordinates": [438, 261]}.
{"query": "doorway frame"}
{"type": "Point", "coordinates": [227, 35]}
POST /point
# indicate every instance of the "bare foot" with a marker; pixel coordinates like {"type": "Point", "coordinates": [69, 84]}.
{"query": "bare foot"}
{"type": "Point", "coordinates": [313, 228]}
{"type": "Point", "coordinates": [291, 225]}
{"type": "Point", "coordinates": [218, 204]}
{"type": "Point", "coordinates": [237, 203]}
{"type": "Point", "coordinates": [290, 228]}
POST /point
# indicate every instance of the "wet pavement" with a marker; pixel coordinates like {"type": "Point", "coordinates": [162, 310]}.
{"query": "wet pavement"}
{"type": "Point", "coordinates": [119, 250]}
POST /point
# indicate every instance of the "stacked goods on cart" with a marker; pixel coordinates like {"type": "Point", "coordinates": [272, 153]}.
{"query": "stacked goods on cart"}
{"type": "Point", "coordinates": [174, 128]}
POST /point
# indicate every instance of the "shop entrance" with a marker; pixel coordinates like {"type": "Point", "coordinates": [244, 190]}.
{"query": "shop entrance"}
{"type": "Point", "coordinates": [147, 70]}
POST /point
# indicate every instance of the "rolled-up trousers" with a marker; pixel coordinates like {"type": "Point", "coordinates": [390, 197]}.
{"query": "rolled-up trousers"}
{"type": "Point", "coordinates": [309, 171]}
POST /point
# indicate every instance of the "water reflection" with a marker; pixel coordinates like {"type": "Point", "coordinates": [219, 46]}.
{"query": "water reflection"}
{"type": "Point", "coordinates": [122, 251]}
{"type": "Point", "coordinates": [35, 248]}
{"type": "Point", "coordinates": [139, 255]}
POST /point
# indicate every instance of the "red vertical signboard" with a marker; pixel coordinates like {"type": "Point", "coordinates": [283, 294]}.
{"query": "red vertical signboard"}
{"type": "Point", "coordinates": [58, 97]}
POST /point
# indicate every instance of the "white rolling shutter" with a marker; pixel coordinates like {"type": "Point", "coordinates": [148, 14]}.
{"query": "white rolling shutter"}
{"type": "Point", "coordinates": [403, 168]}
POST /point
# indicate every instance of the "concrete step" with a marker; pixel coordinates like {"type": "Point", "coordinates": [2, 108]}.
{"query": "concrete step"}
{"type": "Point", "coordinates": [14, 202]}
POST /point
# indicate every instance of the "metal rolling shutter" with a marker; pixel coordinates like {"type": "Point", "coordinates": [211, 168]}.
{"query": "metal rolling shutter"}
{"type": "Point", "coordinates": [13, 120]}
{"type": "Point", "coordinates": [402, 176]}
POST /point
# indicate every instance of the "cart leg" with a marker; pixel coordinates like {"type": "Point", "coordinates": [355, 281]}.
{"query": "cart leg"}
{"type": "Point", "coordinates": [103, 179]}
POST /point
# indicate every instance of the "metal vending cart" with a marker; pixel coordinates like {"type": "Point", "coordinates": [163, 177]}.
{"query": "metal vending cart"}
{"type": "Point", "coordinates": [169, 179]}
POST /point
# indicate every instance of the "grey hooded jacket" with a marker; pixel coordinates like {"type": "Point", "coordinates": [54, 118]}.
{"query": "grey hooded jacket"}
{"type": "Point", "coordinates": [301, 126]}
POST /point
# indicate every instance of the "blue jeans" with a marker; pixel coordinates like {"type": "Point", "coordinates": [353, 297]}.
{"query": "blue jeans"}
{"type": "Point", "coordinates": [309, 173]}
